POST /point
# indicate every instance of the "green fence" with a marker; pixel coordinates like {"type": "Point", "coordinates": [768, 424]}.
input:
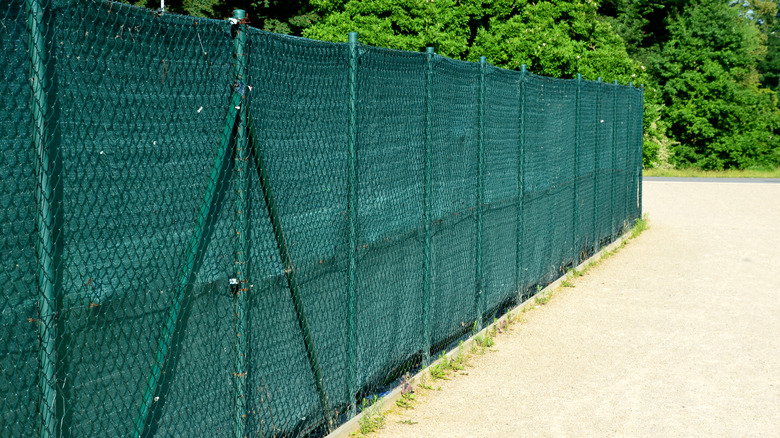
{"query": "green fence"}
{"type": "Point", "coordinates": [210, 230]}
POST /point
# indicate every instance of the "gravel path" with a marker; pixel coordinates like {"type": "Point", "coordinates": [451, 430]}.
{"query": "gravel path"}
{"type": "Point", "coordinates": [677, 335]}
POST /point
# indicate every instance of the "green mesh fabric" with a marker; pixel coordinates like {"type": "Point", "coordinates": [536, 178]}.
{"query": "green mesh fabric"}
{"type": "Point", "coordinates": [179, 198]}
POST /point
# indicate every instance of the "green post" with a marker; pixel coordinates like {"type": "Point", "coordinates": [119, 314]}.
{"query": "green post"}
{"type": "Point", "coordinates": [427, 207]}
{"type": "Point", "coordinates": [240, 281]}
{"type": "Point", "coordinates": [352, 206]}
{"type": "Point", "coordinates": [614, 160]}
{"type": "Point", "coordinates": [628, 171]}
{"type": "Point", "coordinates": [44, 246]}
{"type": "Point", "coordinates": [577, 145]}
{"type": "Point", "coordinates": [189, 262]}
{"type": "Point", "coordinates": [641, 151]}
{"type": "Point", "coordinates": [596, 228]}
{"type": "Point", "coordinates": [520, 188]}
{"type": "Point", "coordinates": [480, 299]}
{"type": "Point", "coordinates": [289, 272]}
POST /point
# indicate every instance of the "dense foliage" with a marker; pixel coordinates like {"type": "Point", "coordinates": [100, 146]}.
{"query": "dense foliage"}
{"type": "Point", "coordinates": [711, 71]}
{"type": "Point", "coordinates": [557, 38]}
{"type": "Point", "coordinates": [715, 107]}
{"type": "Point", "coordinates": [711, 66]}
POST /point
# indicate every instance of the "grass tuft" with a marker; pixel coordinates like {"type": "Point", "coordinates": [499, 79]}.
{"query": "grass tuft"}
{"type": "Point", "coordinates": [373, 417]}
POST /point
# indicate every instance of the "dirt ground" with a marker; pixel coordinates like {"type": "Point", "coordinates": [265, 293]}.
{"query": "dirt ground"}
{"type": "Point", "coordinates": [677, 335]}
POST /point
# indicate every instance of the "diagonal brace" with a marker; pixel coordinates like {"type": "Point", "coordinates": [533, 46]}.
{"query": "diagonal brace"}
{"type": "Point", "coordinates": [189, 262]}
{"type": "Point", "coordinates": [289, 272]}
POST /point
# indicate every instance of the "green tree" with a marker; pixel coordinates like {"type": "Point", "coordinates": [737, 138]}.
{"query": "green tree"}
{"type": "Point", "coordinates": [714, 106]}
{"type": "Point", "coordinates": [555, 37]}
{"type": "Point", "coordinates": [398, 24]}
{"type": "Point", "coordinates": [643, 24]}
{"type": "Point", "coordinates": [282, 16]}
{"type": "Point", "coordinates": [770, 66]}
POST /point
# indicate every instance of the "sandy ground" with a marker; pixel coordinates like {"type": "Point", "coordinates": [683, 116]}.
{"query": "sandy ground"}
{"type": "Point", "coordinates": [677, 335]}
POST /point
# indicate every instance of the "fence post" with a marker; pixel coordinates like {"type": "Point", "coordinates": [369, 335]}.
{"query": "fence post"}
{"type": "Point", "coordinates": [577, 145]}
{"type": "Point", "coordinates": [239, 282]}
{"type": "Point", "coordinates": [640, 164]}
{"type": "Point", "coordinates": [627, 170]}
{"type": "Point", "coordinates": [427, 207]}
{"type": "Point", "coordinates": [520, 188]}
{"type": "Point", "coordinates": [352, 183]}
{"type": "Point", "coordinates": [596, 228]}
{"type": "Point", "coordinates": [614, 160]}
{"type": "Point", "coordinates": [44, 246]}
{"type": "Point", "coordinates": [480, 299]}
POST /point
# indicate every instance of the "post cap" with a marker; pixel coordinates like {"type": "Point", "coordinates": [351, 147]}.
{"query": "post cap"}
{"type": "Point", "coordinates": [522, 68]}
{"type": "Point", "coordinates": [599, 79]}
{"type": "Point", "coordinates": [616, 82]}
{"type": "Point", "coordinates": [579, 76]}
{"type": "Point", "coordinates": [429, 49]}
{"type": "Point", "coordinates": [353, 37]}
{"type": "Point", "coordinates": [482, 60]}
{"type": "Point", "coordinates": [239, 14]}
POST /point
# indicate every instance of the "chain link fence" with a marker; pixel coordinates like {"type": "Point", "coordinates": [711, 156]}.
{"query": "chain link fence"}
{"type": "Point", "coordinates": [210, 230]}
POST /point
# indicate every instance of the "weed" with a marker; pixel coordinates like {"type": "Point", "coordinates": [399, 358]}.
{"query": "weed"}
{"type": "Point", "coordinates": [409, 422]}
{"type": "Point", "coordinates": [406, 385]}
{"type": "Point", "coordinates": [439, 371]}
{"type": "Point", "coordinates": [458, 363]}
{"type": "Point", "coordinates": [542, 299]}
{"type": "Point", "coordinates": [405, 401]}
{"type": "Point", "coordinates": [407, 393]}
{"type": "Point", "coordinates": [425, 386]}
{"type": "Point", "coordinates": [567, 283]}
{"type": "Point", "coordinates": [484, 340]}
{"type": "Point", "coordinates": [640, 226]}
{"type": "Point", "coordinates": [373, 418]}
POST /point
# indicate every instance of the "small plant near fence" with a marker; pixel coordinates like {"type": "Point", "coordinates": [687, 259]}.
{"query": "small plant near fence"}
{"type": "Point", "coordinates": [373, 417]}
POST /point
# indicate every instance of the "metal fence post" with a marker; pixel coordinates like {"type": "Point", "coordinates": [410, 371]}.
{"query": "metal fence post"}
{"type": "Point", "coordinates": [628, 172]}
{"type": "Point", "coordinates": [520, 187]}
{"type": "Point", "coordinates": [577, 145]}
{"type": "Point", "coordinates": [613, 169]}
{"type": "Point", "coordinates": [640, 164]}
{"type": "Point", "coordinates": [596, 228]}
{"type": "Point", "coordinates": [427, 207]}
{"type": "Point", "coordinates": [240, 281]}
{"type": "Point", "coordinates": [44, 246]}
{"type": "Point", "coordinates": [480, 299]}
{"type": "Point", "coordinates": [352, 200]}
